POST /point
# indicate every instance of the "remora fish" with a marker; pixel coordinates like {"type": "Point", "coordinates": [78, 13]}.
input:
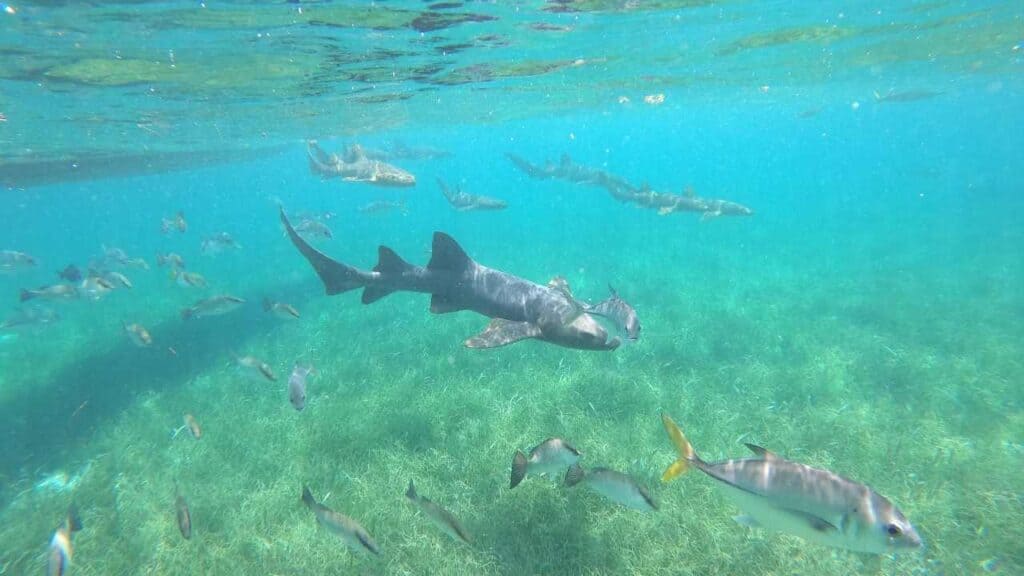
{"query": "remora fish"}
{"type": "Point", "coordinates": [519, 308]}
{"type": "Point", "coordinates": [814, 504]}
{"type": "Point", "coordinates": [297, 386]}
{"type": "Point", "coordinates": [280, 309]}
{"type": "Point", "coordinates": [213, 306]}
{"type": "Point", "coordinates": [619, 311]}
{"type": "Point", "coordinates": [465, 202]}
{"type": "Point", "coordinates": [352, 534]}
{"type": "Point", "coordinates": [443, 518]}
{"type": "Point", "coordinates": [59, 557]}
{"type": "Point", "coordinates": [615, 486]}
{"type": "Point", "coordinates": [550, 457]}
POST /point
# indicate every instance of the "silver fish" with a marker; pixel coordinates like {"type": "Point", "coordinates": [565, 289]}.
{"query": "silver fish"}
{"type": "Point", "coordinates": [297, 386]}
{"type": "Point", "coordinates": [96, 287]}
{"type": "Point", "coordinates": [213, 306]}
{"type": "Point", "coordinates": [29, 316]}
{"type": "Point", "coordinates": [11, 260]}
{"type": "Point", "coordinates": [58, 559]}
{"type": "Point", "coordinates": [620, 312]}
{"type": "Point", "coordinates": [552, 457]}
{"type": "Point", "coordinates": [352, 534]}
{"type": "Point", "coordinates": [170, 259]}
{"type": "Point", "coordinates": [218, 243]}
{"type": "Point", "coordinates": [256, 368]}
{"type": "Point", "coordinates": [615, 486]}
{"type": "Point", "coordinates": [187, 279]}
{"type": "Point", "coordinates": [280, 309]}
{"type": "Point", "coordinates": [52, 292]}
{"type": "Point", "coordinates": [443, 518]}
{"type": "Point", "coordinates": [313, 229]}
{"type": "Point", "coordinates": [177, 223]}
{"type": "Point", "coordinates": [814, 504]}
{"type": "Point", "coordinates": [138, 334]}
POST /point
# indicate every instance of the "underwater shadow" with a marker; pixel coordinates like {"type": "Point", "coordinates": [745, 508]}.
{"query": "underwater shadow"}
{"type": "Point", "coordinates": [41, 424]}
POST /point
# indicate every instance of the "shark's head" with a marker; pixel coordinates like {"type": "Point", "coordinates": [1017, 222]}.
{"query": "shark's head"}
{"type": "Point", "coordinates": [583, 333]}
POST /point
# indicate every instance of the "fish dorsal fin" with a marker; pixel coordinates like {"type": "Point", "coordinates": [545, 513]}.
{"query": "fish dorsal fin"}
{"type": "Point", "coordinates": [447, 255]}
{"type": "Point", "coordinates": [561, 284]}
{"type": "Point", "coordinates": [389, 263]}
{"type": "Point", "coordinates": [762, 452]}
{"type": "Point", "coordinates": [501, 332]}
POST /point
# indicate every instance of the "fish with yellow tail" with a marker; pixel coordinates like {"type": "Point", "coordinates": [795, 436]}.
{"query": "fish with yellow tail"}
{"type": "Point", "coordinates": [814, 504]}
{"type": "Point", "coordinates": [58, 559]}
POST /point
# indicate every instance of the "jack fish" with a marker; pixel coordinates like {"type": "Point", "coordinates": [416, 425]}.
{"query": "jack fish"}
{"type": "Point", "coordinates": [814, 504]}
{"type": "Point", "coordinates": [213, 306]}
{"type": "Point", "coordinates": [551, 457]}
{"type": "Point", "coordinates": [352, 534]}
{"type": "Point", "coordinates": [615, 486]}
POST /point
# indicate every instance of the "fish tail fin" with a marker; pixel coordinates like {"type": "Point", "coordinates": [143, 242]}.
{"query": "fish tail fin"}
{"type": "Point", "coordinates": [25, 295]}
{"type": "Point", "coordinates": [687, 455]}
{"type": "Point", "coordinates": [574, 475]}
{"type": "Point", "coordinates": [307, 498]}
{"type": "Point", "coordinates": [518, 469]}
{"type": "Point", "coordinates": [410, 493]}
{"type": "Point", "coordinates": [336, 276]}
{"type": "Point", "coordinates": [186, 313]}
{"type": "Point", "coordinates": [74, 521]}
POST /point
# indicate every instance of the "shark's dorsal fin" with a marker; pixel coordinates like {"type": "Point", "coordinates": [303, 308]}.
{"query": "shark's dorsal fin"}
{"type": "Point", "coordinates": [501, 332]}
{"type": "Point", "coordinates": [762, 452]}
{"type": "Point", "coordinates": [388, 262]}
{"type": "Point", "coordinates": [446, 254]}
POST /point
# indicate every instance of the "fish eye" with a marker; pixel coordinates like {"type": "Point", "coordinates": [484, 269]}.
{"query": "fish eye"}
{"type": "Point", "coordinates": [893, 530]}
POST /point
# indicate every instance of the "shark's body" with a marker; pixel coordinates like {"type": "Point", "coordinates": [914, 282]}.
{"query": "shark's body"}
{"type": "Point", "coordinates": [465, 202]}
{"type": "Point", "coordinates": [519, 308]}
{"type": "Point", "coordinates": [355, 166]}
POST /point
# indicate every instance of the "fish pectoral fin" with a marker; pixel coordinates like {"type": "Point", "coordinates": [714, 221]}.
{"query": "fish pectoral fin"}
{"type": "Point", "coordinates": [818, 523]}
{"type": "Point", "coordinates": [501, 332]}
{"type": "Point", "coordinates": [746, 520]}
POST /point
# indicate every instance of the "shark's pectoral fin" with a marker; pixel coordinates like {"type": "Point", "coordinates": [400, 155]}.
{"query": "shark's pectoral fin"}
{"type": "Point", "coordinates": [442, 304]}
{"type": "Point", "coordinates": [501, 332]}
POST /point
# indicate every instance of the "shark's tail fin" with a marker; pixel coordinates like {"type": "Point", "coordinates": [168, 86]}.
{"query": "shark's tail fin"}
{"type": "Point", "coordinates": [337, 277]}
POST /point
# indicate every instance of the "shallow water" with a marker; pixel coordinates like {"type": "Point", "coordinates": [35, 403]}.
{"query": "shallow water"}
{"type": "Point", "coordinates": [865, 319]}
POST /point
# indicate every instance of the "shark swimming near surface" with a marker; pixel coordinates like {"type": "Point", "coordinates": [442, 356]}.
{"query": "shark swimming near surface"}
{"type": "Point", "coordinates": [623, 191]}
{"type": "Point", "coordinates": [519, 309]}
{"type": "Point", "coordinates": [354, 166]}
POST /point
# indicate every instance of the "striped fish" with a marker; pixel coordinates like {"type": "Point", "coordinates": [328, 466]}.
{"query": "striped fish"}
{"type": "Point", "coordinates": [814, 504]}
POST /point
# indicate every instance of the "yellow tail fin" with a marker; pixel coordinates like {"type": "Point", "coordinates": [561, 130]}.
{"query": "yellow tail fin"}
{"type": "Point", "coordinates": [686, 453]}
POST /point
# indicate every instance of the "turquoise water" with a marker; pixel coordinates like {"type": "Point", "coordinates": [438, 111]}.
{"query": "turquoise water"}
{"type": "Point", "coordinates": [865, 319]}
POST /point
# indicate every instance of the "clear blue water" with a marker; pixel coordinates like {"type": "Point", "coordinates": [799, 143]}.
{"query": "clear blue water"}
{"type": "Point", "coordinates": [865, 319]}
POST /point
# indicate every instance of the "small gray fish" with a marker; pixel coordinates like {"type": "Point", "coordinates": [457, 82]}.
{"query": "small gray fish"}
{"type": "Point", "coordinates": [297, 386]}
{"type": "Point", "coordinates": [95, 287]}
{"type": "Point", "coordinates": [551, 457]}
{"type": "Point", "coordinates": [352, 534]}
{"type": "Point", "coordinates": [280, 309]}
{"type": "Point", "coordinates": [814, 504]}
{"type": "Point", "coordinates": [138, 334]}
{"type": "Point", "coordinates": [620, 312]}
{"type": "Point", "coordinates": [443, 518]}
{"type": "Point", "coordinates": [313, 229]}
{"type": "Point", "coordinates": [58, 559]}
{"type": "Point", "coordinates": [117, 279]}
{"type": "Point", "coordinates": [187, 279]}
{"type": "Point", "coordinates": [52, 292]}
{"type": "Point", "coordinates": [218, 243]}
{"type": "Point", "coordinates": [170, 259]}
{"type": "Point", "coordinates": [183, 514]}
{"type": "Point", "coordinates": [615, 486]}
{"type": "Point", "coordinates": [178, 223]}
{"type": "Point", "coordinates": [213, 306]}
{"type": "Point", "coordinates": [29, 316]}
{"type": "Point", "coordinates": [256, 368]}
{"type": "Point", "coordinates": [11, 260]}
